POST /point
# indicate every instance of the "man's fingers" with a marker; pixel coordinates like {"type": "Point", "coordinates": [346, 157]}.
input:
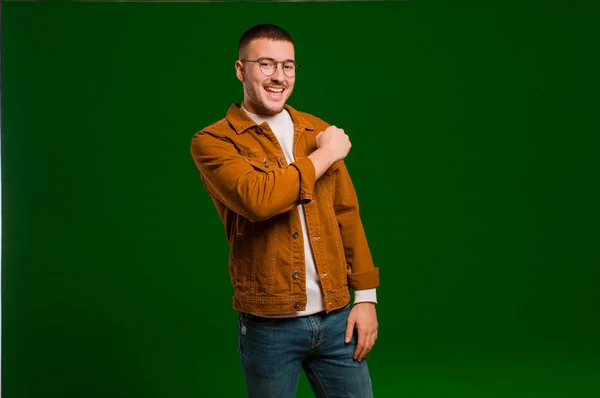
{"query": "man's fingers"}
{"type": "Point", "coordinates": [373, 338]}
{"type": "Point", "coordinates": [361, 345]}
{"type": "Point", "coordinates": [369, 344]}
{"type": "Point", "coordinates": [349, 330]}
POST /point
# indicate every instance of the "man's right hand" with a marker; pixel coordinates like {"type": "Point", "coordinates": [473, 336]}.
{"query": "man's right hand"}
{"type": "Point", "coordinates": [333, 144]}
{"type": "Point", "coordinates": [336, 141]}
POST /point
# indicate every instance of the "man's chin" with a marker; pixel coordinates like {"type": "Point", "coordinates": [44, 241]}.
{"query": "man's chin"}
{"type": "Point", "coordinates": [273, 109]}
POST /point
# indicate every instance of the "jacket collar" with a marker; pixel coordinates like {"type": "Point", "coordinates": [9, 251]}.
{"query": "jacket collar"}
{"type": "Point", "coordinates": [242, 122]}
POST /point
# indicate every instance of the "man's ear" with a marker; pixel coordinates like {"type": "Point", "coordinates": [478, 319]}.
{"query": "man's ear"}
{"type": "Point", "coordinates": [239, 70]}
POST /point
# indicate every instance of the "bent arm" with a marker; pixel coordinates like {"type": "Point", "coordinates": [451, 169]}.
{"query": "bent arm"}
{"type": "Point", "coordinates": [255, 194]}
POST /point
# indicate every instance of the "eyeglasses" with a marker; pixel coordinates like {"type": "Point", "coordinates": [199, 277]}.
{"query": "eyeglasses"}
{"type": "Point", "coordinates": [268, 66]}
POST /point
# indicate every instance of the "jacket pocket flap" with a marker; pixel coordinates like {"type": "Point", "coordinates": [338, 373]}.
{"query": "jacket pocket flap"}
{"type": "Point", "coordinates": [263, 165]}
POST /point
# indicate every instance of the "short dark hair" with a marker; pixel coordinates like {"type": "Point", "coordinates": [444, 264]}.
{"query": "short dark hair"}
{"type": "Point", "coordinates": [263, 31]}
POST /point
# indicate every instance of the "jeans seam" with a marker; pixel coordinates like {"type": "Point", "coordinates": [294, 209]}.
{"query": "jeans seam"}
{"type": "Point", "coordinates": [318, 380]}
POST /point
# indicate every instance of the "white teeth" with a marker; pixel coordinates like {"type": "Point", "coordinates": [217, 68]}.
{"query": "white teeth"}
{"type": "Point", "coordinates": [274, 90]}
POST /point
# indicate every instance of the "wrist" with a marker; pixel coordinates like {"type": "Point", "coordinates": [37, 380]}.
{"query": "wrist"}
{"type": "Point", "coordinates": [322, 159]}
{"type": "Point", "coordinates": [327, 155]}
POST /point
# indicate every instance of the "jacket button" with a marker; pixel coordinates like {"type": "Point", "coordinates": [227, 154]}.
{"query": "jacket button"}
{"type": "Point", "coordinates": [259, 130]}
{"type": "Point", "coordinates": [295, 235]}
{"type": "Point", "coordinates": [266, 163]}
{"type": "Point", "coordinates": [282, 160]}
{"type": "Point", "coordinates": [297, 305]}
{"type": "Point", "coordinates": [296, 275]}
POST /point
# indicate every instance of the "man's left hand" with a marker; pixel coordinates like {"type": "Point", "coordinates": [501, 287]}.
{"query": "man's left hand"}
{"type": "Point", "coordinates": [362, 316]}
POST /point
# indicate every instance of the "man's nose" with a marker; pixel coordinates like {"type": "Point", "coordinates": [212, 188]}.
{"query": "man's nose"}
{"type": "Point", "coordinates": [278, 76]}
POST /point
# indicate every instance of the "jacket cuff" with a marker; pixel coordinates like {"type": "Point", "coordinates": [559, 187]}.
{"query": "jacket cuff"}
{"type": "Point", "coordinates": [364, 280]}
{"type": "Point", "coordinates": [307, 171]}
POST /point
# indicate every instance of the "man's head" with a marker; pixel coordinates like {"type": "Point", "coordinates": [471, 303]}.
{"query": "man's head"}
{"type": "Point", "coordinates": [266, 67]}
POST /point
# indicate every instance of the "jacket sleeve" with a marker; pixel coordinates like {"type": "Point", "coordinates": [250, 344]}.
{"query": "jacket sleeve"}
{"type": "Point", "coordinates": [245, 189]}
{"type": "Point", "coordinates": [363, 274]}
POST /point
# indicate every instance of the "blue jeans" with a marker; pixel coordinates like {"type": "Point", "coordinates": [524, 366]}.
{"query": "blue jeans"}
{"type": "Point", "coordinates": [274, 351]}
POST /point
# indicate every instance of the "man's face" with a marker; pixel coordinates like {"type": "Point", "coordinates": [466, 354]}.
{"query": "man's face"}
{"type": "Point", "coordinates": [265, 95]}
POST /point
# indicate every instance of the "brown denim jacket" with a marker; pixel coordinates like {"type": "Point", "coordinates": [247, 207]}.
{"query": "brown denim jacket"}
{"type": "Point", "coordinates": [256, 194]}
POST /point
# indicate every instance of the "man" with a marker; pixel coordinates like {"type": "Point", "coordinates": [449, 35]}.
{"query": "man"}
{"type": "Point", "coordinates": [297, 244]}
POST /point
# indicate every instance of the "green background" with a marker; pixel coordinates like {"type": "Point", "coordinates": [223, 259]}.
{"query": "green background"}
{"type": "Point", "coordinates": [475, 157]}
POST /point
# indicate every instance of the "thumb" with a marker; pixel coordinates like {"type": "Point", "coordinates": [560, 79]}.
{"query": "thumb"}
{"type": "Point", "coordinates": [349, 329]}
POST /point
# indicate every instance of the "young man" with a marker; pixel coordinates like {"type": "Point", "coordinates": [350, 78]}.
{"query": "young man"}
{"type": "Point", "coordinates": [297, 244]}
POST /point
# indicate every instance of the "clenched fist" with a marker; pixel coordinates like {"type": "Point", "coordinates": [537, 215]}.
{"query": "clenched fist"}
{"type": "Point", "coordinates": [335, 141]}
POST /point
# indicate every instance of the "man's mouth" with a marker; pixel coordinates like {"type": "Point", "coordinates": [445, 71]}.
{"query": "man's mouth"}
{"type": "Point", "coordinates": [274, 90]}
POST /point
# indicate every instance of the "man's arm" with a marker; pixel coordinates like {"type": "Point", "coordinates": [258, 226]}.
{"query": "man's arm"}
{"type": "Point", "coordinates": [363, 273]}
{"type": "Point", "coordinates": [255, 194]}
{"type": "Point", "coordinates": [364, 276]}
{"type": "Point", "coordinates": [322, 159]}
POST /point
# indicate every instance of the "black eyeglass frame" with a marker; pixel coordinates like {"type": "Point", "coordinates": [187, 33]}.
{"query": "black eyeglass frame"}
{"type": "Point", "coordinates": [259, 60]}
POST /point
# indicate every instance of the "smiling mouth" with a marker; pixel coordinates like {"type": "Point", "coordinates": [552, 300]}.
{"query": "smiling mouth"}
{"type": "Point", "coordinates": [274, 90]}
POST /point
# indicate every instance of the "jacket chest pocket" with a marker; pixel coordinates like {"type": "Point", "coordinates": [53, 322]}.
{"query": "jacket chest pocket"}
{"type": "Point", "coordinates": [328, 180]}
{"type": "Point", "coordinates": [332, 169]}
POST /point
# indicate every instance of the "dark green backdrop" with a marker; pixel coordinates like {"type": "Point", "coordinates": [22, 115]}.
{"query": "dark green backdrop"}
{"type": "Point", "coordinates": [475, 157]}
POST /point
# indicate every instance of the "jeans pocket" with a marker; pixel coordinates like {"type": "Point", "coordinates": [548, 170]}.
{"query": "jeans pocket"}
{"type": "Point", "coordinates": [347, 306]}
